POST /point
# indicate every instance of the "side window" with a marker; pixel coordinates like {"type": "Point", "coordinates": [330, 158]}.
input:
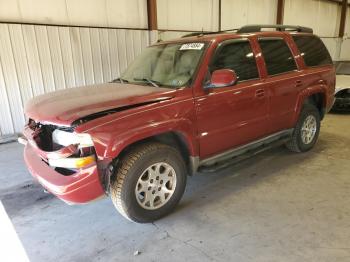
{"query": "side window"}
{"type": "Point", "coordinates": [278, 57]}
{"type": "Point", "coordinates": [312, 50]}
{"type": "Point", "coordinates": [238, 56]}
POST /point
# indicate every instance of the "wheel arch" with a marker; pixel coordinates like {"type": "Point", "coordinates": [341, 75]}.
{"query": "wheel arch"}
{"type": "Point", "coordinates": [172, 138]}
{"type": "Point", "coordinates": [315, 95]}
{"type": "Point", "coordinates": [318, 100]}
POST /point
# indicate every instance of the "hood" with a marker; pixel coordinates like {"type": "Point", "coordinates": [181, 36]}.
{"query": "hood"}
{"type": "Point", "coordinates": [342, 82]}
{"type": "Point", "coordinates": [65, 106]}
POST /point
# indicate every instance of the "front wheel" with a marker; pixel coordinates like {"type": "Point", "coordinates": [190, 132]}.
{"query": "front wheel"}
{"type": "Point", "coordinates": [149, 182]}
{"type": "Point", "coordinates": [306, 131]}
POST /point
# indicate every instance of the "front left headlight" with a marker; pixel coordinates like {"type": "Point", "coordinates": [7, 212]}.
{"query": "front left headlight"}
{"type": "Point", "coordinates": [65, 138]}
{"type": "Point", "coordinates": [84, 140]}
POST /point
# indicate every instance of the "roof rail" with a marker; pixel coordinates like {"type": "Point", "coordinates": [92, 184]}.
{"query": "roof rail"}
{"type": "Point", "coordinates": [199, 34]}
{"type": "Point", "coordinates": [208, 33]}
{"type": "Point", "coordinates": [257, 28]}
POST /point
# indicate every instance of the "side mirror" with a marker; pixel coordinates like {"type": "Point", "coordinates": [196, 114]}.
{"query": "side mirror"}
{"type": "Point", "coordinates": [222, 78]}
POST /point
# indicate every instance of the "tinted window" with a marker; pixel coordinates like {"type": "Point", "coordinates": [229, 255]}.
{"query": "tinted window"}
{"type": "Point", "coordinates": [312, 50]}
{"type": "Point", "coordinates": [277, 55]}
{"type": "Point", "coordinates": [237, 56]}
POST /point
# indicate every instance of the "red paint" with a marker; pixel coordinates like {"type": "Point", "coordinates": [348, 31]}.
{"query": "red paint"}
{"type": "Point", "coordinates": [223, 77]}
{"type": "Point", "coordinates": [64, 106]}
{"type": "Point", "coordinates": [113, 133]}
{"type": "Point", "coordinates": [210, 121]}
{"type": "Point", "coordinates": [81, 187]}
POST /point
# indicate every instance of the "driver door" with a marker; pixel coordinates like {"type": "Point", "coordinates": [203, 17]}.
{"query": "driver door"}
{"type": "Point", "coordinates": [231, 116]}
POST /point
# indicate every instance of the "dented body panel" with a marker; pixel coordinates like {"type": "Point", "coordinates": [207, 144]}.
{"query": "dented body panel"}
{"type": "Point", "coordinates": [113, 133]}
{"type": "Point", "coordinates": [63, 107]}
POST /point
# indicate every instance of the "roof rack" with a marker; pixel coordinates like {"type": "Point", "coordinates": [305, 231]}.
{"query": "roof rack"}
{"type": "Point", "coordinates": [208, 33]}
{"type": "Point", "coordinates": [199, 34]}
{"type": "Point", "coordinates": [257, 28]}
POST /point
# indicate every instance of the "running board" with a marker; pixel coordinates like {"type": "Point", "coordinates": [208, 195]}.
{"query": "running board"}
{"type": "Point", "coordinates": [241, 153]}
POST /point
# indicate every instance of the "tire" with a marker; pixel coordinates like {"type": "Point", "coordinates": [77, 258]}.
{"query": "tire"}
{"type": "Point", "coordinates": [299, 141]}
{"type": "Point", "coordinates": [135, 187]}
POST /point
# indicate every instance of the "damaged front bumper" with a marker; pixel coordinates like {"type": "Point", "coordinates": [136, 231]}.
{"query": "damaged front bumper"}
{"type": "Point", "coordinates": [80, 185]}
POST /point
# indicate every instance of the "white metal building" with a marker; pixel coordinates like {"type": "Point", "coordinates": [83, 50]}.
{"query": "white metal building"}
{"type": "Point", "coordinates": [265, 203]}
{"type": "Point", "coordinates": [68, 43]}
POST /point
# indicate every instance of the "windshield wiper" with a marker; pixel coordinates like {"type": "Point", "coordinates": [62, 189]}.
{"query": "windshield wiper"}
{"type": "Point", "coordinates": [121, 80]}
{"type": "Point", "coordinates": [150, 81]}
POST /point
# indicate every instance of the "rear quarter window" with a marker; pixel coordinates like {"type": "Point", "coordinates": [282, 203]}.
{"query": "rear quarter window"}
{"type": "Point", "coordinates": [313, 50]}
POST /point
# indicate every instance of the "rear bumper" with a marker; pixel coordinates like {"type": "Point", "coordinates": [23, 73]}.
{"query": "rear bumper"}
{"type": "Point", "coordinates": [81, 187]}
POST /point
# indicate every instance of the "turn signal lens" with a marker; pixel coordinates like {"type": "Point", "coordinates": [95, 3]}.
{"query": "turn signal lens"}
{"type": "Point", "coordinates": [84, 161]}
{"type": "Point", "coordinates": [72, 162]}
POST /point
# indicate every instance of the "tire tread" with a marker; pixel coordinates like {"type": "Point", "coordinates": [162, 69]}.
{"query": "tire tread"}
{"type": "Point", "coordinates": [127, 162]}
{"type": "Point", "coordinates": [293, 144]}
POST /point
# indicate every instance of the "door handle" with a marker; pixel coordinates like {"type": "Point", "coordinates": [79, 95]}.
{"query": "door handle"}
{"type": "Point", "coordinates": [298, 83]}
{"type": "Point", "coordinates": [260, 93]}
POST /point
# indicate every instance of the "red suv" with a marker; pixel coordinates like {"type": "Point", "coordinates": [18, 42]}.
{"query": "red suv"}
{"type": "Point", "coordinates": [198, 103]}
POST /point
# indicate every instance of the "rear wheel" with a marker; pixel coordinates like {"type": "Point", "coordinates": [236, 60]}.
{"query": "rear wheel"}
{"type": "Point", "coordinates": [306, 131]}
{"type": "Point", "coordinates": [149, 182]}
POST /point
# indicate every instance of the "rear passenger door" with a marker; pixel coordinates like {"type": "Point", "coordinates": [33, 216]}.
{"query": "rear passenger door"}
{"type": "Point", "coordinates": [282, 81]}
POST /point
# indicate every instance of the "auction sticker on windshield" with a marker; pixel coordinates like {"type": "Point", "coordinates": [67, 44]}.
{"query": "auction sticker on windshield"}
{"type": "Point", "coordinates": [192, 46]}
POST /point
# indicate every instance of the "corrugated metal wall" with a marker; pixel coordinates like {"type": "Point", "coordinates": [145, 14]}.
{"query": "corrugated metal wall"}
{"type": "Point", "coordinates": [196, 15]}
{"type": "Point", "coordinates": [99, 13]}
{"type": "Point", "coordinates": [38, 59]}
{"type": "Point", "coordinates": [322, 16]}
{"type": "Point", "coordinates": [345, 47]}
{"type": "Point", "coordinates": [242, 12]}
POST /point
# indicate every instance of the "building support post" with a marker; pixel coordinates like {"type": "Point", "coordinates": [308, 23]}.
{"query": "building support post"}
{"type": "Point", "coordinates": [152, 21]}
{"type": "Point", "coordinates": [280, 12]}
{"type": "Point", "coordinates": [344, 7]}
{"type": "Point", "coordinates": [219, 17]}
{"type": "Point", "coordinates": [152, 15]}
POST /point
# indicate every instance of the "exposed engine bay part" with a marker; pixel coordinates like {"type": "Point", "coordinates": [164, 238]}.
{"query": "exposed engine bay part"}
{"type": "Point", "coordinates": [60, 148]}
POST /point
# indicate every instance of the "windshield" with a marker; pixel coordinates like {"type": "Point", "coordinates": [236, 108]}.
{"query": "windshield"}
{"type": "Point", "coordinates": [170, 65]}
{"type": "Point", "coordinates": [342, 68]}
